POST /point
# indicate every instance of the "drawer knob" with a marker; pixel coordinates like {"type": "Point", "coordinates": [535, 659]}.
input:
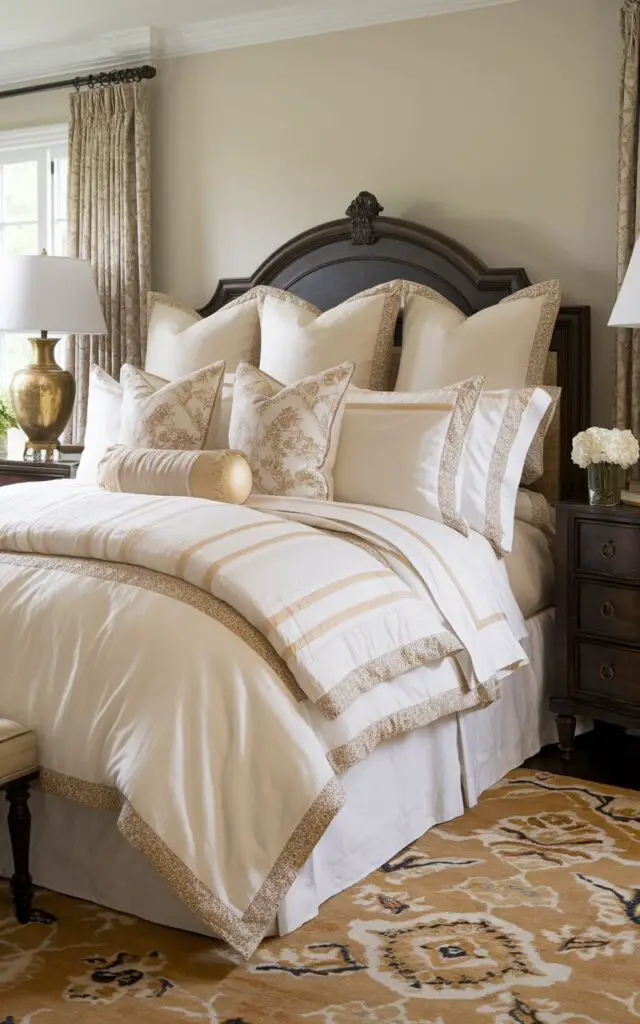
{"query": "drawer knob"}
{"type": "Point", "coordinates": [608, 549]}
{"type": "Point", "coordinates": [607, 672]}
{"type": "Point", "coordinates": [607, 610]}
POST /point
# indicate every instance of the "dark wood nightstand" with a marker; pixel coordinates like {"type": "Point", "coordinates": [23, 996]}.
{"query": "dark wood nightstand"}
{"type": "Point", "coordinates": [597, 661]}
{"type": "Point", "coordinates": [15, 471]}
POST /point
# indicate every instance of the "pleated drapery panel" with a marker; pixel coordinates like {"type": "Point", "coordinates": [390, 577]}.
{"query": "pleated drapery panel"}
{"type": "Point", "coordinates": [109, 224]}
{"type": "Point", "coordinates": [626, 412]}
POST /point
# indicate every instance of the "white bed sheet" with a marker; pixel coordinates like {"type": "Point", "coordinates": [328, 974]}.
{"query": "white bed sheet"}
{"type": "Point", "coordinates": [405, 787]}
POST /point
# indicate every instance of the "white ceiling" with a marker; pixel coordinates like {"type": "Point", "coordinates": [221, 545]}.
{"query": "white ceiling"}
{"type": "Point", "coordinates": [51, 38]}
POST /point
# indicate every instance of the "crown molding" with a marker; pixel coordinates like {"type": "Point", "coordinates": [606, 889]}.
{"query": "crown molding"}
{"type": "Point", "coordinates": [147, 43]}
{"type": "Point", "coordinates": [78, 57]}
{"type": "Point", "coordinates": [296, 21]}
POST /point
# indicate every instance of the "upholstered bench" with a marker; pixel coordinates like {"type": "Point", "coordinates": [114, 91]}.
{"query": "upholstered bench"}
{"type": "Point", "coordinates": [18, 767]}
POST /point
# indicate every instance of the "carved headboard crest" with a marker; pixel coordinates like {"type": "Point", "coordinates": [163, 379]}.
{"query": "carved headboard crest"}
{"type": "Point", "coordinates": [362, 211]}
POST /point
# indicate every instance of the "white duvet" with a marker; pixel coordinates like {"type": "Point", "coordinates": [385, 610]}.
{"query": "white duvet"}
{"type": "Point", "coordinates": [209, 670]}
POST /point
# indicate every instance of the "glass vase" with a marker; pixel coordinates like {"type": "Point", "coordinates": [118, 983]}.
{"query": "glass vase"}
{"type": "Point", "coordinates": [606, 481]}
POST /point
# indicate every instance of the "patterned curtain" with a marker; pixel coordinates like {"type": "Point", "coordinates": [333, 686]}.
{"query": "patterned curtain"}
{"type": "Point", "coordinates": [627, 362]}
{"type": "Point", "coordinates": [109, 223]}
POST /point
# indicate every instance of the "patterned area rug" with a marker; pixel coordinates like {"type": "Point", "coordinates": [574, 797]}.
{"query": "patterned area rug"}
{"type": "Point", "coordinates": [524, 911]}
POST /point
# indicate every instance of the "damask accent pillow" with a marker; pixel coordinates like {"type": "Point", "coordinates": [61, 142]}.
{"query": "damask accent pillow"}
{"type": "Point", "coordinates": [180, 341]}
{"type": "Point", "coordinates": [289, 433]}
{"type": "Point", "coordinates": [297, 340]}
{"type": "Point", "coordinates": [507, 343]}
{"type": "Point", "coordinates": [176, 416]}
{"type": "Point", "coordinates": [404, 451]}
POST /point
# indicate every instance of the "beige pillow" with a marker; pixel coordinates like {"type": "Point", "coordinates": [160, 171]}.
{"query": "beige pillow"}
{"type": "Point", "coordinates": [507, 343]}
{"type": "Point", "coordinates": [176, 415]}
{"type": "Point", "coordinates": [297, 340]}
{"type": "Point", "coordinates": [404, 451]}
{"type": "Point", "coordinates": [218, 476]}
{"type": "Point", "coordinates": [180, 341]}
{"type": "Point", "coordinates": [289, 434]}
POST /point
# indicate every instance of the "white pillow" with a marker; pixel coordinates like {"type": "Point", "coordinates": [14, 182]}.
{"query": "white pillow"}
{"type": "Point", "coordinates": [507, 343]}
{"type": "Point", "coordinates": [176, 415]}
{"type": "Point", "coordinates": [404, 451]}
{"type": "Point", "coordinates": [103, 422]}
{"type": "Point", "coordinates": [501, 431]}
{"type": "Point", "coordinates": [289, 435]}
{"type": "Point", "coordinates": [180, 341]}
{"type": "Point", "coordinates": [297, 340]}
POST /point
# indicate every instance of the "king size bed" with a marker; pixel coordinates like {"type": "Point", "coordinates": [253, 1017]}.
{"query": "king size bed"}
{"type": "Point", "coordinates": [199, 768]}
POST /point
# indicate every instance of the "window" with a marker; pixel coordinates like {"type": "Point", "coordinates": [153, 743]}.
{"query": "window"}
{"type": "Point", "coordinates": [33, 212]}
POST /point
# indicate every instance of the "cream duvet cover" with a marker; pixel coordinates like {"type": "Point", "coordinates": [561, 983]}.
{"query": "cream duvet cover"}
{"type": "Point", "coordinates": [209, 670]}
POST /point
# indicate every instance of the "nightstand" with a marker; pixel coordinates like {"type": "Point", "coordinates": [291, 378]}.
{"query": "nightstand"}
{"type": "Point", "coordinates": [15, 471]}
{"type": "Point", "coordinates": [597, 658]}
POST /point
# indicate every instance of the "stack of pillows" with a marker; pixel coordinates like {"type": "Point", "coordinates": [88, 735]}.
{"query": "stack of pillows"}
{"type": "Point", "coordinates": [272, 395]}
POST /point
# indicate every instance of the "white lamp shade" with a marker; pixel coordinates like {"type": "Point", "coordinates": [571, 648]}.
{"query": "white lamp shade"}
{"type": "Point", "coordinates": [626, 312]}
{"type": "Point", "coordinates": [49, 293]}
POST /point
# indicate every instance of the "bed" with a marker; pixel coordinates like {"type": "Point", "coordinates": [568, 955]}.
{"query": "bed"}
{"type": "Point", "coordinates": [409, 782]}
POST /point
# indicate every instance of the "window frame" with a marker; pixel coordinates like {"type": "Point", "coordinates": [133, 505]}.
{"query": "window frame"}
{"type": "Point", "coordinates": [45, 143]}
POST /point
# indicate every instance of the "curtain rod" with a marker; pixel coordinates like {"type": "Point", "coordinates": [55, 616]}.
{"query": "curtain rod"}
{"type": "Point", "coordinates": [91, 81]}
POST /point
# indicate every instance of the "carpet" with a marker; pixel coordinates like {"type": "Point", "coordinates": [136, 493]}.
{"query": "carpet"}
{"type": "Point", "coordinates": [526, 910]}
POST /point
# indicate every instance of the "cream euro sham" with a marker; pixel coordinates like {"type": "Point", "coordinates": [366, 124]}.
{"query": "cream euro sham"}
{"type": "Point", "coordinates": [297, 340]}
{"type": "Point", "coordinates": [500, 434]}
{"type": "Point", "coordinates": [177, 415]}
{"type": "Point", "coordinates": [289, 434]}
{"type": "Point", "coordinates": [507, 343]}
{"type": "Point", "coordinates": [216, 476]}
{"type": "Point", "coordinates": [180, 341]}
{"type": "Point", "coordinates": [403, 451]}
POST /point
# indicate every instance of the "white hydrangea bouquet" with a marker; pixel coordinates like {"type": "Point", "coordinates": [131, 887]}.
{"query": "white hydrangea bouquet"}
{"type": "Point", "coordinates": [606, 455]}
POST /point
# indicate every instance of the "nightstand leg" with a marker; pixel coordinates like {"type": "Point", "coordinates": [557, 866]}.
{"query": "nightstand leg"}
{"type": "Point", "coordinates": [566, 735]}
{"type": "Point", "coordinates": [20, 832]}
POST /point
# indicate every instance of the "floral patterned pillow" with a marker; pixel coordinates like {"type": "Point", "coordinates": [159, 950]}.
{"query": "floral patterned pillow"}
{"type": "Point", "coordinates": [289, 435]}
{"type": "Point", "coordinates": [175, 416]}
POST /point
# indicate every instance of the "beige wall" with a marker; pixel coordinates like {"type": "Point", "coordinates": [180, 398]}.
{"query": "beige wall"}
{"type": "Point", "coordinates": [497, 126]}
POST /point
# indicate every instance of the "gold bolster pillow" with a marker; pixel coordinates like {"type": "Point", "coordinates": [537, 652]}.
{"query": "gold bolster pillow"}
{"type": "Point", "coordinates": [216, 475]}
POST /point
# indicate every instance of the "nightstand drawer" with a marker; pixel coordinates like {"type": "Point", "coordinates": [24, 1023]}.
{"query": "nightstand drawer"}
{"type": "Point", "coordinates": [608, 672]}
{"type": "Point", "coordinates": [609, 611]}
{"type": "Point", "coordinates": [610, 549]}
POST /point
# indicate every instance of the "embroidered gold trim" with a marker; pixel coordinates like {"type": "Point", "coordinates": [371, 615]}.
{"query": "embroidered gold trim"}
{"type": "Point", "coordinates": [408, 719]}
{"type": "Point", "coordinates": [385, 668]}
{"type": "Point", "coordinates": [243, 933]}
{"type": "Point", "coordinates": [168, 586]}
{"type": "Point", "coordinates": [551, 293]}
{"type": "Point", "coordinates": [511, 420]}
{"type": "Point", "coordinates": [540, 511]}
{"type": "Point", "coordinates": [344, 616]}
{"type": "Point", "coordinates": [468, 394]}
{"type": "Point", "coordinates": [382, 357]}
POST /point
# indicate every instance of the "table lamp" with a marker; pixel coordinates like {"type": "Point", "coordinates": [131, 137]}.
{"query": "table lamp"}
{"type": "Point", "coordinates": [46, 293]}
{"type": "Point", "coordinates": [626, 311]}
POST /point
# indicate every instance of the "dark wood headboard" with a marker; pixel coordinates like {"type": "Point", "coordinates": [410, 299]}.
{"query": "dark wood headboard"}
{"type": "Point", "coordinates": [338, 259]}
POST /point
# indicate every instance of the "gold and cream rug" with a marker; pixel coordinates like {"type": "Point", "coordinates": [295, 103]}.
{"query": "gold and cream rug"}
{"type": "Point", "coordinates": [524, 911]}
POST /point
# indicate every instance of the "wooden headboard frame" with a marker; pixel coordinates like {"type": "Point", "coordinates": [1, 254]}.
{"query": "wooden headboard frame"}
{"type": "Point", "coordinates": [338, 259]}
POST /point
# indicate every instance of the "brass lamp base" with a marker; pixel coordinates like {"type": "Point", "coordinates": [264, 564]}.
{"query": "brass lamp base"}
{"type": "Point", "coordinates": [42, 395]}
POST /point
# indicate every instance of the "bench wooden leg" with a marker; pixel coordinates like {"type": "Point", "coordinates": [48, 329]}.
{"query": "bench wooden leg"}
{"type": "Point", "coordinates": [20, 832]}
